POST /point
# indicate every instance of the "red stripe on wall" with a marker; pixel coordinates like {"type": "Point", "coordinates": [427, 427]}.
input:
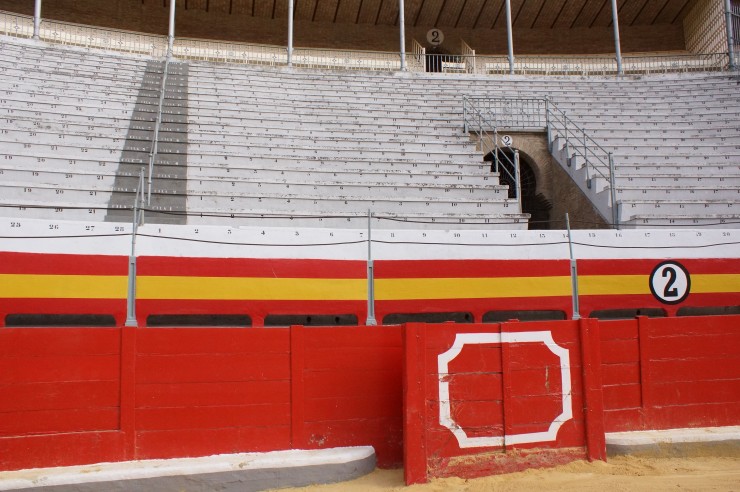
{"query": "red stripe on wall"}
{"type": "Point", "coordinates": [247, 267]}
{"type": "Point", "coordinates": [62, 264]}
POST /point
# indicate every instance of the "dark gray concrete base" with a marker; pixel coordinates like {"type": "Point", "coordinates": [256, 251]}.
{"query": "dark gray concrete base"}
{"type": "Point", "coordinates": [195, 477]}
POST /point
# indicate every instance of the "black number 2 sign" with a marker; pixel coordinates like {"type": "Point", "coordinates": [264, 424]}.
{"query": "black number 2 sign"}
{"type": "Point", "coordinates": [670, 282]}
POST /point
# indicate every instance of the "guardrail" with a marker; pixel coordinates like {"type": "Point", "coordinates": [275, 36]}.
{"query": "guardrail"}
{"type": "Point", "coordinates": [17, 25]}
{"type": "Point", "coordinates": [69, 34]}
{"type": "Point", "coordinates": [468, 61]}
{"type": "Point", "coordinates": [486, 116]}
{"type": "Point", "coordinates": [598, 162]}
{"type": "Point", "coordinates": [483, 123]}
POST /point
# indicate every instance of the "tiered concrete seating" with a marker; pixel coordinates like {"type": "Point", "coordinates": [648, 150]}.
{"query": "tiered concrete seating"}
{"type": "Point", "coordinates": [242, 144]}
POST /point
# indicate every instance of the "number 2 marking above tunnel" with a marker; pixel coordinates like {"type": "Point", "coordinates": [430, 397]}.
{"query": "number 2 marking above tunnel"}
{"type": "Point", "coordinates": [670, 282]}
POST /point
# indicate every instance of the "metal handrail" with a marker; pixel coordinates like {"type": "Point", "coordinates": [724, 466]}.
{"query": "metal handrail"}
{"type": "Point", "coordinates": [155, 137]}
{"type": "Point", "coordinates": [475, 120]}
{"type": "Point", "coordinates": [482, 115]}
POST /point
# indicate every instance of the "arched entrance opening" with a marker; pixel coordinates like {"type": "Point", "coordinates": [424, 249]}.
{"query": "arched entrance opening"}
{"type": "Point", "coordinates": [533, 202]}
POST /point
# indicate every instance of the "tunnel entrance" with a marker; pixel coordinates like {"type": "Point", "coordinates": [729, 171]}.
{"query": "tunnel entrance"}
{"type": "Point", "coordinates": [533, 202]}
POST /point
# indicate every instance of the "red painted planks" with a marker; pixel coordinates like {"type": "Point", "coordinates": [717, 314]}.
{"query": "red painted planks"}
{"type": "Point", "coordinates": [212, 417]}
{"type": "Point", "coordinates": [58, 395]}
{"type": "Point", "coordinates": [193, 368]}
{"type": "Point", "coordinates": [213, 341]}
{"type": "Point", "coordinates": [157, 395]}
{"type": "Point", "coordinates": [60, 450]}
{"type": "Point", "coordinates": [180, 443]}
{"type": "Point", "coordinates": [28, 369]}
{"type": "Point", "coordinates": [38, 342]}
{"type": "Point", "coordinates": [58, 421]}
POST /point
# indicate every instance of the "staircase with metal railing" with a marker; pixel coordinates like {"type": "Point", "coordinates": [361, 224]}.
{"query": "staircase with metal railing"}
{"type": "Point", "coordinates": [586, 161]}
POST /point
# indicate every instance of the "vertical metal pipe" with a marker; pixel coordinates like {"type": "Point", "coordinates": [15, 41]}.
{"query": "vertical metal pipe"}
{"type": "Point", "coordinates": [290, 33]}
{"type": "Point", "coordinates": [518, 179]}
{"type": "Point", "coordinates": [617, 42]}
{"type": "Point", "coordinates": [402, 33]}
{"type": "Point", "coordinates": [573, 273]}
{"type": "Point", "coordinates": [510, 37]}
{"type": "Point", "coordinates": [131, 291]}
{"type": "Point", "coordinates": [36, 19]}
{"type": "Point", "coordinates": [730, 35]}
{"type": "Point", "coordinates": [171, 32]}
{"type": "Point", "coordinates": [371, 321]}
{"type": "Point", "coordinates": [613, 192]}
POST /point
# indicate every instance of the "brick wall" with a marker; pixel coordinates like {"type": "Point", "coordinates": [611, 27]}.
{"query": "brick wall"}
{"type": "Point", "coordinates": [705, 29]}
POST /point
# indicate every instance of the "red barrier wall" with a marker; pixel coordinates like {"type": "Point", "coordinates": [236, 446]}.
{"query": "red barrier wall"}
{"type": "Point", "coordinates": [86, 395]}
{"type": "Point", "coordinates": [664, 373]}
{"type": "Point", "coordinates": [483, 399]}
{"type": "Point", "coordinates": [73, 396]}
{"type": "Point", "coordinates": [463, 382]}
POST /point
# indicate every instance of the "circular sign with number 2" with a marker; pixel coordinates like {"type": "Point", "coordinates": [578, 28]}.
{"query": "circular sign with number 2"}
{"type": "Point", "coordinates": [670, 282]}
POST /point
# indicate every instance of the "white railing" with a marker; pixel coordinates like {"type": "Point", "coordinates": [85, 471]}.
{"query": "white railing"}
{"type": "Point", "coordinates": [346, 59]}
{"type": "Point", "coordinates": [16, 25]}
{"type": "Point", "coordinates": [229, 52]}
{"type": "Point", "coordinates": [651, 63]}
{"type": "Point", "coordinates": [467, 61]}
{"type": "Point", "coordinates": [548, 65]}
{"type": "Point", "coordinates": [469, 56]}
{"type": "Point", "coordinates": [418, 60]}
{"type": "Point", "coordinates": [107, 39]}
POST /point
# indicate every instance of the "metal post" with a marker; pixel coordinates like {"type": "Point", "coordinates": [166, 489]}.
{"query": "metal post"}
{"type": "Point", "coordinates": [567, 149]}
{"type": "Point", "coordinates": [573, 273]}
{"type": "Point", "coordinates": [495, 150]}
{"type": "Point", "coordinates": [510, 37]}
{"type": "Point", "coordinates": [617, 42]}
{"type": "Point", "coordinates": [131, 293]}
{"type": "Point", "coordinates": [518, 180]}
{"type": "Point", "coordinates": [402, 33]}
{"type": "Point", "coordinates": [465, 115]}
{"type": "Point", "coordinates": [36, 19]}
{"type": "Point", "coordinates": [613, 192]}
{"type": "Point", "coordinates": [370, 274]}
{"type": "Point", "coordinates": [171, 33]}
{"type": "Point", "coordinates": [290, 33]}
{"type": "Point", "coordinates": [730, 35]}
{"type": "Point", "coordinates": [585, 159]}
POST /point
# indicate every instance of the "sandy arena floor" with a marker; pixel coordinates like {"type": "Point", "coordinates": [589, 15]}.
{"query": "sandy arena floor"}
{"type": "Point", "coordinates": [625, 473]}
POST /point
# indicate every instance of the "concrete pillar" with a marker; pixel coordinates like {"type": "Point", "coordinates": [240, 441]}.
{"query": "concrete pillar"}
{"type": "Point", "coordinates": [510, 37]}
{"type": "Point", "coordinates": [36, 18]}
{"type": "Point", "coordinates": [171, 35]}
{"type": "Point", "coordinates": [290, 33]}
{"type": "Point", "coordinates": [617, 42]}
{"type": "Point", "coordinates": [402, 33]}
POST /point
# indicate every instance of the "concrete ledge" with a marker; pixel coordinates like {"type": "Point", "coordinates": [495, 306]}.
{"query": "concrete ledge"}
{"type": "Point", "coordinates": [711, 441]}
{"type": "Point", "coordinates": [246, 472]}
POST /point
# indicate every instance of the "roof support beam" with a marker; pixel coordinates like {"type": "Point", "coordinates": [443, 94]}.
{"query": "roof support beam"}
{"type": "Point", "coordinates": [171, 32]}
{"type": "Point", "coordinates": [730, 40]}
{"type": "Point", "coordinates": [617, 42]}
{"type": "Point", "coordinates": [36, 18]}
{"type": "Point", "coordinates": [510, 37]}
{"type": "Point", "coordinates": [402, 33]}
{"type": "Point", "coordinates": [290, 32]}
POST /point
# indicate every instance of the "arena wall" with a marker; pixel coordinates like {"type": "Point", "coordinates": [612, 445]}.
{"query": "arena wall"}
{"type": "Point", "coordinates": [85, 395]}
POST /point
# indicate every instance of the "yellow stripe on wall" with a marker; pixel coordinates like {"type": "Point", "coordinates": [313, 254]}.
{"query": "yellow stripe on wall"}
{"type": "Point", "coordinates": [63, 286]}
{"type": "Point", "coordinates": [237, 288]}
{"type": "Point", "coordinates": [707, 284]}
{"type": "Point", "coordinates": [308, 289]}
